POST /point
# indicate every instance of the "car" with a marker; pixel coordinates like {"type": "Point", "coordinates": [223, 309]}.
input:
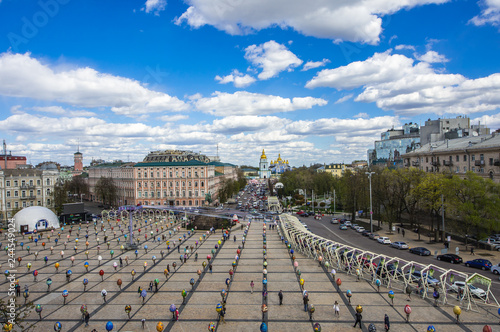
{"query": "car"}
{"type": "Point", "coordinates": [384, 240]}
{"type": "Point", "coordinates": [452, 258]}
{"type": "Point", "coordinates": [399, 245]}
{"type": "Point", "coordinates": [347, 223]}
{"type": "Point", "coordinates": [366, 233]}
{"type": "Point", "coordinates": [497, 247]}
{"type": "Point", "coordinates": [334, 221]}
{"type": "Point", "coordinates": [318, 216]}
{"type": "Point", "coordinates": [353, 226]}
{"type": "Point", "coordinates": [300, 213]}
{"type": "Point", "coordinates": [421, 251]}
{"type": "Point", "coordinates": [479, 292]}
{"type": "Point", "coordinates": [391, 268]}
{"type": "Point", "coordinates": [360, 229]}
{"type": "Point", "coordinates": [417, 275]}
{"type": "Point", "coordinates": [496, 269]}
{"type": "Point", "coordinates": [479, 263]}
{"type": "Point", "coordinates": [374, 236]}
{"type": "Point", "coordinates": [342, 227]}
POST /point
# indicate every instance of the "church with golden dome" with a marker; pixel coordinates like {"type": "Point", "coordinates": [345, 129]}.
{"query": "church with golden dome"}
{"type": "Point", "coordinates": [277, 167]}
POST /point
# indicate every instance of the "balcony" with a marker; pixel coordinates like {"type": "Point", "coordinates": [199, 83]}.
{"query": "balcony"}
{"type": "Point", "coordinates": [435, 163]}
{"type": "Point", "coordinates": [447, 163]}
{"type": "Point", "coordinates": [415, 163]}
{"type": "Point", "coordinates": [479, 163]}
{"type": "Point", "coordinates": [28, 197]}
{"type": "Point", "coordinates": [27, 186]}
{"type": "Point", "coordinates": [496, 162]}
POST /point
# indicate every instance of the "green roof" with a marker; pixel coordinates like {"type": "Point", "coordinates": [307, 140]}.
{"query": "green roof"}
{"type": "Point", "coordinates": [218, 163]}
{"type": "Point", "coordinates": [218, 173]}
{"type": "Point", "coordinates": [178, 163]}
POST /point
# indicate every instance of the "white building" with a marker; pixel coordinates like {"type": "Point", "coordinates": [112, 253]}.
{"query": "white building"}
{"type": "Point", "coordinates": [264, 171]}
{"type": "Point", "coordinates": [35, 217]}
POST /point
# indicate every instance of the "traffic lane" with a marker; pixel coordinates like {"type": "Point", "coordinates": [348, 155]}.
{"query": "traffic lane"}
{"type": "Point", "coordinates": [352, 238]}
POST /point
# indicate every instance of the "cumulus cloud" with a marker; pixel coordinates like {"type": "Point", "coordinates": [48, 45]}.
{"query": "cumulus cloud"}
{"type": "Point", "coordinates": [431, 57]}
{"type": "Point", "coordinates": [355, 20]}
{"type": "Point", "coordinates": [239, 80]}
{"type": "Point", "coordinates": [247, 103]}
{"type": "Point", "coordinates": [155, 6]}
{"type": "Point", "coordinates": [490, 13]}
{"type": "Point", "coordinates": [173, 117]}
{"type": "Point", "coordinates": [404, 47]}
{"type": "Point", "coordinates": [58, 110]}
{"type": "Point", "coordinates": [272, 57]}
{"type": "Point", "coordinates": [26, 77]}
{"type": "Point", "coordinates": [345, 98]}
{"type": "Point", "coordinates": [250, 123]}
{"type": "Point", "coordinates": [315, 64]}
{"type": "Point", "coordinates": [395, 82]}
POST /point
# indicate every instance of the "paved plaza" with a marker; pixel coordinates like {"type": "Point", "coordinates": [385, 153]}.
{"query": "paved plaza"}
{"type": "Point", "coordinates": [243, 308]}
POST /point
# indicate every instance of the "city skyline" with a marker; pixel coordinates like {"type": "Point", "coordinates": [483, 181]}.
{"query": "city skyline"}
{"type": "Point", "coordinates": [317, 83]}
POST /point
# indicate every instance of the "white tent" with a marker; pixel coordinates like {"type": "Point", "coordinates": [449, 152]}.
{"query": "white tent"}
{"type": "Point", "coordinates": [35, 217]}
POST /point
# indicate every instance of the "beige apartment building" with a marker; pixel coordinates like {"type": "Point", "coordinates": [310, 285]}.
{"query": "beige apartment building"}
{"type": "Point", "coordinates": [24, 187]}
{"type": "Point", "coordinates": [478, 154]}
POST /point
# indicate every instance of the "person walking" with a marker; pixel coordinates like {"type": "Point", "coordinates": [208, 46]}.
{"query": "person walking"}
{"type": "Point", "coordinates": [387, 324]}
{"type": "Point", "coordinates": [210, 268]}
{"type": "Point", "coordinates": [121, 262]}
{"type": "Point", "coordinates": [280, 295]}
{"type": "Point", "coordinates": [234, 238]}
{"type": "Point", "coordinates": [150, 288]}
{"type": "Point", "coordinates": [168, 268]}
{"type": "Point", "coordinates": [87, 318]}
{"type": "Point", "coordinates": [358, 319]}
{"type": "Point", "coordinates": [196, 257]}
{"type": "Point", "coordinates": [306, 301]}
{"type": "Point", "coordinates": [251, 287]}
{"type": "Point", "coordinates": [472, 251]}
{"type": "Point", "coordinates": [336, 309]}
{"type": "Point", "coordinates": [403, 232]}
{"type": "Point", "coordinates": [139, 290]}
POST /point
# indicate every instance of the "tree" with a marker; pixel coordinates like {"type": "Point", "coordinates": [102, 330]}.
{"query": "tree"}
{"type": "Point", "coordinates": [21, 313]}
{"type": "Point", "coordinates": [106, 190]}
{"type": "Point", "coordinates": [430, 190]}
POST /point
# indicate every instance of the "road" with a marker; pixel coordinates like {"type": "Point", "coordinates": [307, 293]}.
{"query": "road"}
{"type": "Point", "coordinates": [350, 237]}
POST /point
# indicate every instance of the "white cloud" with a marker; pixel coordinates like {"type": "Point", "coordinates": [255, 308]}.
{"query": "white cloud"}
{"type": "Point", "coordinates": [26, 77]}
{"type": "Point", "coordinates": [491, 121]}
{"type": "Point", "coordinates": [173, 117]}
{"type": "Point", "coordinates": [404, 47]}
{"type": "Point", "coordinates": [396, 82]}
{"type": "Point", "coordinates": [239, 124]}
{"type": "Point", "coordinates": [315, 64]}
{"type": "Point", "coordinates": [345, 98]}
{"type": "Point", "coordinates": [155, 6]}
{"type": "Point", "coordinates": [355, 20]}
{"type": "Point", "coordinates": [247, 103]}
{"type": "Point", "coordinates": [361, 115]}
{"type": "Point", "coordinates": [238, 79]}
{"type": "Point", "coordinates": [490, 13]}
{"type": "Point", "coordinates": [58, 110]}
{"type": "Point", "coordinates": [272, 57]}
{"type": "Point", "coordinates": [431, 57]}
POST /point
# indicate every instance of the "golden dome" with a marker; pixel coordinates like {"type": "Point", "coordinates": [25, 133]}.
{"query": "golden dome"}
{"type": "Point", "coordinates": [279, 158]}
{"type": "Point", "coordinates": [263, 155]}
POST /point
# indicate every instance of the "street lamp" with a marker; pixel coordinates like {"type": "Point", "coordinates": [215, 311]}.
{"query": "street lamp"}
{"type": "Point", "coordinates": [371, 212]}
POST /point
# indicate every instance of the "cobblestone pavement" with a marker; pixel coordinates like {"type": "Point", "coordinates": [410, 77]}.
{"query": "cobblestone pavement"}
{"type": "Point", "coordinates": [243, 308]}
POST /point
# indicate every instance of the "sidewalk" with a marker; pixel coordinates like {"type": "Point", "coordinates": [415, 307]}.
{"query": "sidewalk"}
{"type": "Point", "coordinates": [411, 238]}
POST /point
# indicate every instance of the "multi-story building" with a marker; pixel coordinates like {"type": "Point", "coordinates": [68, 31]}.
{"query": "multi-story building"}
{"type": "Point", "coordinates": [11, 162]}
{"type": "Point", "coordinates": [393, 143]}
{"type": "Point", "coordinates": [78, 163]}
{"type": "Point", "coordinates": [478, 154]}
{"type": "Point", "coordinates": [279, 166]}
{"type": "Point", "coordinates": [441, 129]}
{"type": "Point", "coordinates": [264, 172]}
{"type": "Point", "coordinates": [172, 178]}
{"type": "Point", "coordinates": [334, 169]}
{"type": "Point", "coordinates": [25, 187]}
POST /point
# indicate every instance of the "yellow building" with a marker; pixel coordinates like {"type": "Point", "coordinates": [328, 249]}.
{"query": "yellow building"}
{"type": "Point", "coordinates": [334, 169]}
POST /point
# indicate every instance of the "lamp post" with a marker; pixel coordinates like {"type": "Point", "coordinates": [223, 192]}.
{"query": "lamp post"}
{"type": "Point", "coordinates": [371, 212]}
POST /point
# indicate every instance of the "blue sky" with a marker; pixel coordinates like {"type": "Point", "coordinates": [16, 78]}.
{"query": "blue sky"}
{"type": "Point", "coordinates": [316, 82]}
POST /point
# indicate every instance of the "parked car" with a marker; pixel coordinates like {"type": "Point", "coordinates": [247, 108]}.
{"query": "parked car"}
{"type": "Point", "coordinates": [399, 245]}
{"type": "Point", "coordinates": [374, 236]}
{"type": "Point", "coordinates": [479, 263]}
{"type": "Point", "coordinates": [496, 269]}
{"type": "Point", "coordinates": [353, 226]}
{"type": "Point", "coordinates": [300, 213]}
{"type": "Point", "coordinates": [365, 233]}
{"type": "Point", "coordinates": [451, 258]}
{"type": "Point", "coordinates": [473, 289]}
{"type": "Point", "coordinates": [417, 275]}
{"type": "Point", "coordinates": [347, 223]}
{"type": "Point", "coordinates": [334, 221]}
{"type": "Point", "coordinates": [384, 240]}
{"type": "Point", "coordinates": [343, 227]}
{"type": "Point", "coordinates": [360, 229]}
{"type": "Point", "coordinates": [420, 251]}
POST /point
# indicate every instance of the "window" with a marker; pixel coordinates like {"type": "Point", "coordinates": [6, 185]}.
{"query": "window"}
{"type": "Point", "coordinates": [8, 205]}
{"type": "Point", "coordinates": [23, 183]}
{"type": "Point", "coordinates": [164, 183]}
{"type": "Point", "coordinates": [48, 182]}
{"type": "Point", "coordinates": [177, 183]}
{"type": "Point", "coordinates": [23, 193]}
{"type": "Point", "coordinates": [152, 194]}
{"type": "Point", "coordinates": [176, 174]}
{"type": "Point", "coordinates": [139, 194]}
{"type": "Point", "coordinates": [196, 193]}
{"type": "Point", "coordinates": [38, 203]}
{"type": "Point", "coordinates": [171, 193]}
{"type": "Point", "coordinates": [38, 192]}
{"type": "Point", "coordinates": [24, 204]}
{"type": "Point", "coordinates": [152, 174]}
{"type": "Point", "coordinates": [183, 193]}
{"type": "Point", "coordinates": [426, 159]}
{"type": "Point", "coordinates": [189, 174]}
{"type": "Point", "coordinates": [170, 184]}
{"type": "Point", "coordinates": [481, 156]}
{"type": "Point", "coordinates": [16, 193]}
{"type": "Point", "coordinates": [164, 193]}
{"type": "Point", "coordinates": [183, 173]}
{"type": "Point", "coordinates": [145, 174]}
{"type": "Point", "coordinates": [145, 184]}
{"type": "Point", "coordinates": [473, 157]}
{"type": "Point", "coordinates": [139, 185]}
{"type": "Point", "coordinates": [196, 184]}
{"type": "Point", "coordinates": [7, 183]}
{"type": "Point", "coordinates": [48, 191]}
{"type": "Point", "coordinates": [158, 184]}
{"type": "Point", "coordinates": [458, 169]}
{"type": "Point", "coordinates": [15, 183]}
{"type": "Point", "coordinates": [177, 193]}
{"type": "Point", "coordinates": [189, 184]}
{"type": "Point", "coordinates": [183, 184]}
{"type": "Point", "coordinates": [201, 184]}
{"type": "Point", "coordinates": [145, 194]}
{"type": "Point", "coordinates": [139, 175]}
{"type": "Point", "coordinates": [457, 158]}
{"type": "Point", "coordinates": [158, 194]}
{"type": "Point", "coordinates": [170, 174]}
{"type": "Point", "coordinates": [16, 205]}
{"type": "Point", "coordinates": [190, 193]}
{"type": "Point", "coordinates": [157, 174]}
{"type": "Point", "coordinates": [491, 161]}
{"type": "Point", "coordinates": [31, 182]}
{"type": "Point", "coordinates": [164, 174]}
{"type": "Point", "coordinates": [8, 193]}
{"type": "Point", "coordinates": [465, 157]}
{"type": "Point", "coordinates": [465, 169]}
{"type": "Point", "coordinates": [473, 169]}
{"type": "Point", "coordinates": [481, 170]}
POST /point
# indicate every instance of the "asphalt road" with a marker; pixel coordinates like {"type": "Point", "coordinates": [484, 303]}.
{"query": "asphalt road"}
{"type": "Point", "coordinates": [350, 237]}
